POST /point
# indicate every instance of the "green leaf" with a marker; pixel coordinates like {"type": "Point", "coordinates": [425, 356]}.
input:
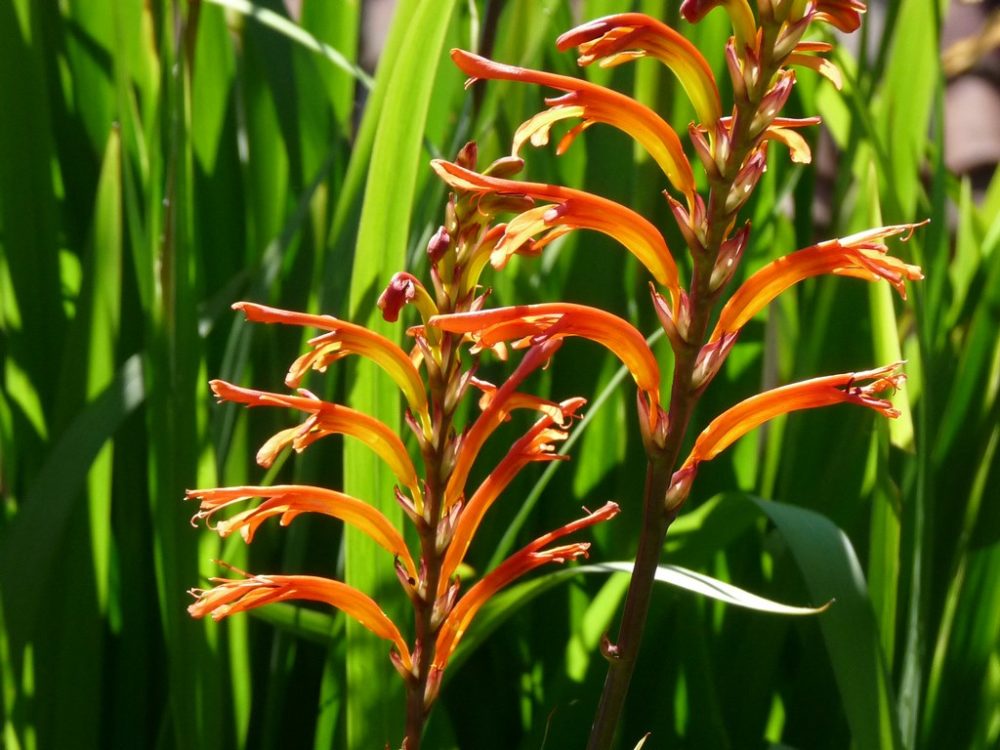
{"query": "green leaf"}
{"type": "Point", "coordinates": [830, 569]}
{"type": "Point", "coordinates": [373, 691]}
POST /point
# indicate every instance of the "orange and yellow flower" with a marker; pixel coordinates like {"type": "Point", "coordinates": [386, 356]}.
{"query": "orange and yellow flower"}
{"type": "Point", "coordinates": [592, 103]}
{"type": "Point", "coordinates": [573, 209]}
{"type": "Point", "coordinates": [848, 388]}
{"type": "Point", "coordinates": [343, 339]}
{"type": "Point", "coordinates": [230, 596]}
{"type": "Point", "coordinates": [861, 256]}
{"type": "Point", "coordinates": [288, 501]}
{"type": "Point", "coordinates": [531, 324]}
{"type": "Point", "coordinates": [626, 36]}
{"type": "Point", "coordinates": [515, 566]}
{"type": "Point", "coordinates": [324, 419]}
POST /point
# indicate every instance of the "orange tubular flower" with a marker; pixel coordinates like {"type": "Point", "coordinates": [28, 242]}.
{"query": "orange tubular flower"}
{"type": "Point", "coordinates": [535, 445]}
{"type": "Point", "coordinates": [345, 338]}
{"type": "Point", "coordinates": [555, 320]}
{"type": "Point", "coordinates": [861, 255]}
{"type": "Point", "coordinates": [574, 209]}
{"type": "Point", "coordinates": [593, 103]}
{"type": "Point", "coordinates": [736, 422]}
{"type": "Point", "coordinates": [289, 500]}
{"type": "Point", "coordinates": [499, 404]}
{"type": "Point", "coordinates": [238, 595]}
{"type": "Point", "coordinates": [325, 419]}
{"type": "Point", "coordinates": [626, 36]}
{"type": "Point", "coordinates": [515, 566]}
{"type": "Point", "coordinates": [844, 15]}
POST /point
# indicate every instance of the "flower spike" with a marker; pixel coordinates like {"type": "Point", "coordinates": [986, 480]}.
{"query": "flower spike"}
{"type": "Point", "coordinates": [619, 38]}
{"type": "Point", "coordinates": [230, 596]}
{"type": "Point", "coordinates": [574, 209]}
{"type": "Point", "coordinates": [288, 501]}
{"type": "Point", "coordinates": [594, 104]}
{"type": "Point", "coordinates": [862, 256]}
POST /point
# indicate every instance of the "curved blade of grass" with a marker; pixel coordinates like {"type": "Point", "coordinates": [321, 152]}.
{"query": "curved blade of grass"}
{"type": "Point", "coordinates": [297, 34]}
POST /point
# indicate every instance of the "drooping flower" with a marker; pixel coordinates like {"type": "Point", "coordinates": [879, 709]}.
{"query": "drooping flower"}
{"type": "Point", "coordinates": [230, 596]}
{"type": "Point", "coordinates": [526, 559]}
{"type": "Point", "coordinates": [324, 419]}
{"type": "Point", "coordinates": [287, 501]}
{"type": "Point", "coordinates": [573, 209]}
{"type": "Point", "coordinates": [850, 388]}
{"type": "Point", "coordinates": [592, 103]}
{"type": "Point", "coordinates": [861, 256]}
{"type": "Point", "coordinates": [619, 38]}
{"type": "Point", "coordinates": [744, 25]}
{"type": "Point", "coordinates": [342, 339]}
{"type": "Point", "coordinates": [531, 324]}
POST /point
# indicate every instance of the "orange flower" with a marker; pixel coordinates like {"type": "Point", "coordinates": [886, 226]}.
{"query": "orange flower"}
{"type": "Point", "coordinates": [736, 422]}
{"type": "Point", "coordinates": [496, 407]}
{"type": "Point", "coordinates": [325, 419]}
{"type": "Point", "coordinates": [862, 256]}
{"type": "Point", "coordinates": [573, 209]}
{"type": "Point", "coordinates": [288, 501]}
{"type": "Point", "coordinates": [515, 566]}
{"type": "Point", "coordinates": [619, 38]}
{"type": "Point", "coordinates": [531, 324]}
{"type": "Point", "coordinates": [238, 595]}
{"type": "Point", "coordinates": [345, 338]}
{"type": "Point", "coordinates": [535, 445]}
{"type": "Point", "coordinates": [593, 103]}
{"type": "Point", "coordinates": [842, 14]}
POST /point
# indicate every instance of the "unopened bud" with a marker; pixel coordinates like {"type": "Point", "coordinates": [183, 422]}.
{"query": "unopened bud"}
{"type": "Point", "coordinates": [710, 360]}
{"type": "Point", "coordinates": [736, 73]}
{"type": "Point", "coordinates": [505, 167]}
{"type": "Point", "coordinates": [789, 36]}
{"type": "Point", "coordinates": [747, 178]}
{"type": "Point", "coordinates": [438, 244]}
{"type": "Point", "coordinates": [468, 155]}
{"type": "Point", "coordinates": [704, 151]}
{"type": "Point", "coordinates": [772, 103]}
{"type": "Point", "coordinates": [680, 488]}
{"type": "Point", "coordinates": [675, 326]}
{"type": "Point", "coordinates": [693, 233]}
{"type": "Point", "coordinates": [729, 258]}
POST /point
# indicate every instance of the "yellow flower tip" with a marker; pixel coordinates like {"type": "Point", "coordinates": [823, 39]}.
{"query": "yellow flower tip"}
{"type": "Point", "coordinates": [623, 37]}
{"type": "Point", "coordinates": [740, 14]}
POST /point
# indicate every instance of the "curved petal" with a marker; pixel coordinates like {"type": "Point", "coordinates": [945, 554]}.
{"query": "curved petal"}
{"type": "Point", "coordinates": [618, 38]}
{"type": "Point", "coordinates": [533, 323]}
{"type": "Point", "coordinates": [325, 419]}
{"type": "Point", "coordinates": [230, 596]}
{"type": "Point", "coordinates": [599, 104]}
{"type": "Point", "coordinates": [534, 445]}
{"type": "Point", "coordinates": [345, 338]}
{"type": "Point", "coordinates": [289, 500]}
{"type": "Point", "coordinates": [574, 209]}
{"type": "Point", "coordinates": [744, 25]}
{"type": "Point", "coordinates": [515, 566]}
{"type": "Point", "coordinates": [734, 423]}
{"type": "Point", "coordinates": [861, 256]}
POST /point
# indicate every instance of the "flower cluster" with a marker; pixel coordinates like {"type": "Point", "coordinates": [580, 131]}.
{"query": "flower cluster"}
{"type": "Point", "coordinates": [730, 143]}
{"type": "Point", "coordinates": [445, 511]}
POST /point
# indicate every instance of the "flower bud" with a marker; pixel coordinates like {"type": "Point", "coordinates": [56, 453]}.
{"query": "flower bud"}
{"type": "Point", "coordinates": [747, 178]}
{"type": "Point", "coordinates": [438, 244]}
{"type": "Point", "coordinates": [693, 233]}
{"type": "Point", "coordinates": [680, 488]}
{"type": "Point", "coordinates": [704, 151]}
{"type": "Point", "coordinates": [772, 103]}
{"type": "Point", "coordinates": [468, 155]}
{"type": "Point", "coordinates": [710, 360]}
{"type": "Point", "coordinates": [505, 167]}
{"type": "Point", "coordinates": [729, 258]}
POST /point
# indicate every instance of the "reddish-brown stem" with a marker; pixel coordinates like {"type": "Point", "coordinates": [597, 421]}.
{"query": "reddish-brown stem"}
{"type": "Point", "coordinates": [684, 396]}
